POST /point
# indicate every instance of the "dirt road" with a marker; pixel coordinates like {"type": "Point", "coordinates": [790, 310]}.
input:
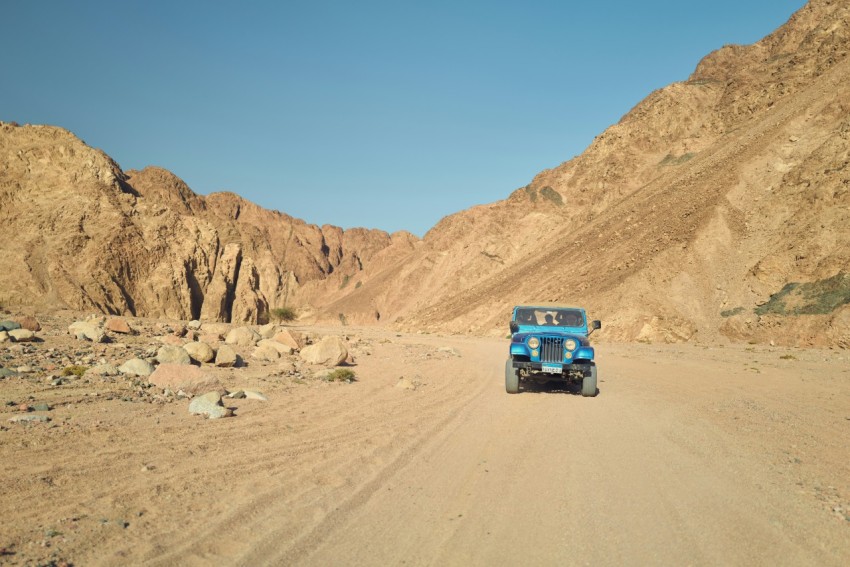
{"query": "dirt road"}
{"type": "Point", "coordinates": [689, 456]}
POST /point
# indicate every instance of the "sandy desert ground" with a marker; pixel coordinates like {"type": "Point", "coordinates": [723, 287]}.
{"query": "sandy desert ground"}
{"type": "Point", "coordinates": [689, 455]}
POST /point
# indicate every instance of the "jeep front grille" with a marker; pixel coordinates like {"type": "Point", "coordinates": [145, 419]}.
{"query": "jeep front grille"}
{"type": "Point", "coordinates": [551, 349]}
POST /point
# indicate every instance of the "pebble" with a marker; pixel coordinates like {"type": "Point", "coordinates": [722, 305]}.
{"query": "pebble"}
{"type": "Point", "coordinates": [29, 419]}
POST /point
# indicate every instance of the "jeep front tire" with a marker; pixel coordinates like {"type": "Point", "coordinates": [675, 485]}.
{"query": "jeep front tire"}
{"type": "Point", "coordinates": [588, 384]}
{"type": "Point", "coordinates": [511, 378]}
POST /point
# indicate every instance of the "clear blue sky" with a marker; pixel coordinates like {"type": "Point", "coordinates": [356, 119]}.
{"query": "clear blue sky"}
{"type": "Point", "coordinates": [383, 114]}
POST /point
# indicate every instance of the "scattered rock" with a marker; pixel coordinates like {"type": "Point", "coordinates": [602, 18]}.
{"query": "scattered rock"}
{"type": "Point", "coordinates": [103, 370]}
{"type": "Point", "coordinates": [136, 367]}
{"type": "Point", "coordinates": [210, 338]}
{"type": "Point", "coordinates": [29, 323]}
{"type": "Point", "coordinates": [266, 352]}
{"type": "Point", "coordinates": [170, 354]}
{"type": "Point", "coordinates": [119, 325]}
{"type": "Point", "coordinates": [268, 331]}
{"type": "Point", "coordinates": [194, 325]}
{"type": "Point", "coordinates": [7, 372]}
{"type": "Point", "coordinates": [330, 350]}
{"type": "Point", "coordinates": [200, 352]}
{"type": "Point", "coordinates": [226, 357]}
{"type": "Point", "coordinates": [41, 407]}
{"type": "Point", "coordinates": [405, 384]}
{"type": "Point", "coordinates": [289, 338]}
{"type": "Point", "coordinates": [86, 331]}
{"type": "Point", "coordinates": [449, 350]}
{"type": "Point", "coordinates": [171, 340]}
{"type": "Point", "coordinates": [281, 348]}
{"type": "Point", "coordinates": [215, 328]}
{"type": "Point", "coordinates": [255, 395]}
{"type": "Point", "coordinates": [9, 325]}
{"type": "Point", "coordinates": [22, 335]}
{"type": "Point", "coordinates": [29, 419]}
{"type": "Point", "coordinates": [242, 336]}
{"type": "Point", "coordinates": [186, 377]}
{"type": "Point", "coordinates": [237, 395]}
{"type": "Point", "coordinates": [210, 405]}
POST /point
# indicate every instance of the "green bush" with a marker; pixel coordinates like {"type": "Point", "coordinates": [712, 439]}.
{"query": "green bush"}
{"type": "Point", "coordinates": [284, 314]}
{"type": "Point", "coordinates": [811, 298]}
{"type": "Point", "coordinates": [74, 370]}
{"type": "Point", "coordinates": [341, 375]}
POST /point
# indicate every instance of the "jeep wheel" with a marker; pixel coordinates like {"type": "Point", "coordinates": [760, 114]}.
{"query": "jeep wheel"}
{"type": "Point", "coordinates": [588, 385]}
{"type": "Point", "coordinates": [511, 378]}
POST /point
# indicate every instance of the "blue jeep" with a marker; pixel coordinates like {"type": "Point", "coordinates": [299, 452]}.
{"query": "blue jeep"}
{"type": "Point", "coordinates": [550, 343]}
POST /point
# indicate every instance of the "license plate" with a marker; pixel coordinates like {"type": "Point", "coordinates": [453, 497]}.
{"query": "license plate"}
{"type": "Point", "coordinates": [551, 368]}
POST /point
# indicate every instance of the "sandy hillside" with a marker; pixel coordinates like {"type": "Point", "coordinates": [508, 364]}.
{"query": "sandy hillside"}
{"type": "Point", "coordinates": [691, 454]}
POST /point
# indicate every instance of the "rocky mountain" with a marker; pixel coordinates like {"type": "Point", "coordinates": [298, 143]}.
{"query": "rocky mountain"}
{"type": "Point", "coordinates": [86, 235]}
{"type": "Point", "coordinates": [717, 207]}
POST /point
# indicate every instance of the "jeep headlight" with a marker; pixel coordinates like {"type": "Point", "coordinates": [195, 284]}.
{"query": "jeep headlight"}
{"type": "Point", "coordinates": [570, 344]}
{"type": "Point", "coordinates": [533, 342]}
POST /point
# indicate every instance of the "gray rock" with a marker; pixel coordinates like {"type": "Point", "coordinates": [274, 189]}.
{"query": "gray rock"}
{"type": "Point", "coordinates": [41, 407]}
{"type": "Point", "coordinates": [237, 395]}
{"type": "Point", "coordinates": [210, 405]}
{"type": "Point", "coordinates": [182, 377]}
{"type": "Point", "coordinates": [22, 335]}
{"type": "Point", "coordinates": [226, 357]}
{"type": "Point", "coordinates": [9, 325]}
{"type": "Point", "coordinates": [103, 370]}
{"type": "Point", "coordinates": [200, 352]}
{"type": "Point", "coordinates": [242, 336]}
{"type": "Point", "coordinates": [136, 367]}
{"type": "Point", "coordinates": [29, 419]}
{"type": "Point", "coordinates": [170, 354]}
{"type": "Point", "coordinates": [255, 395]}
{"type": "Point", "coordinates": [7, 372]}
{"type": "Point", "coordinates": [194, 325]}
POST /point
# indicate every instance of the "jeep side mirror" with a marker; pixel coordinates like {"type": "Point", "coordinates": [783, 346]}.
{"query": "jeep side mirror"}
{"type": "Point", "coordinates": [594, 326]}
{"type": "Point", "coordinates": [514, 326]}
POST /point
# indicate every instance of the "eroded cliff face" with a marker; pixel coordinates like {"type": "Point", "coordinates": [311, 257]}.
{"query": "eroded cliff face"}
{"type": "Point", "coordinates": [90, 236]}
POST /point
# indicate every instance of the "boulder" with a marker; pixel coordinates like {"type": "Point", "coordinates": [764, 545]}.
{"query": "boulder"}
{"type": "Point", "coordinates": [172, 340]}
{"type": "Point", "coordinates": [330, 350]}
{"type": "Point", "coordinates": [242, 336]}
{"type": "Point", "coordinates": [268, 331]}
{"type": "Point", "coordinates": [289, 338]}
{"type": "Point", "coordinates": [200, 352]}
{"type": "Point", "coordinates": [226, 357]}
{"type": "Point", "coordinates": [170, 354]}
{"type": "Point", "coordinates": [186, 377]}
{"type": "Point", "coordinates": [210, 338]}
{"type": "Point", "coordinates": [136, 367]}
{"type": "Point", "coordinates": [281, 348]}
{"type": "Point", "coordinates": [29, 323]}
{"type": "Point", "coordinates": [21, 335]}
{"type": "Point", "coordinates": [86, 331]}
{"type": "Point", "coordinates": [210, 405]}
{"type": "Point", "coordinates": [119, 325]}
{"type": "Point", "coordinates": [266, 352]}
{"type": "Point", "coordinates": [216, 328]}
{"type": "Point", "coordinates": [194, 325]}
{"type": "Point", "coordinates": [9, 325]}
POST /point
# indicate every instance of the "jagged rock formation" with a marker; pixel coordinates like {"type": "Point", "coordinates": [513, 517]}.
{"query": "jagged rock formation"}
{"type": "Point", "coordinates": [86, 235]}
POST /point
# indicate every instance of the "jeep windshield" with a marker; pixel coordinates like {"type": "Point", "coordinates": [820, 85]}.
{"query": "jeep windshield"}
{"type": "Point", "coordinates": [549, 317]}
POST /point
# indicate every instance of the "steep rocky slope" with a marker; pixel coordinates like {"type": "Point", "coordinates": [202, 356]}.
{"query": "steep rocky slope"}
{"type": "Point", "coordinates": [83, 234]}
{"type": "Point", "coordinates": [687, 218]}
